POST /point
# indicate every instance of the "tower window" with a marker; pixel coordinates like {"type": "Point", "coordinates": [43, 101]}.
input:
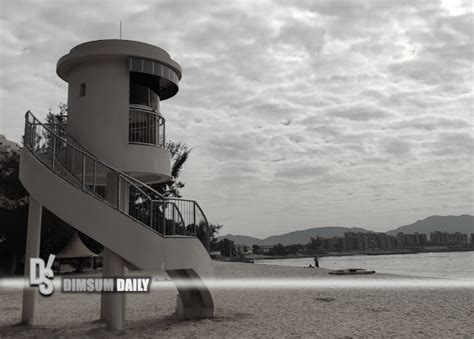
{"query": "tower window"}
{"type": "Point", "coordinates": [82, 90]}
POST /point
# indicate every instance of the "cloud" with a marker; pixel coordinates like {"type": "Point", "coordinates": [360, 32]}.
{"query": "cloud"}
{"type": "Point", "coordinates": [397, 147]}
{"type": "Point", "coordinates": [359, 112]}
{"type": "Point", "coordinates": [430, 123]}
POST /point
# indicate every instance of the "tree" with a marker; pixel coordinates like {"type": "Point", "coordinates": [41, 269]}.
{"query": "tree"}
{"type": "Point", "coordinates": [12, 193]}
{"type": "Point", "coordinates": [293, 249]}
{"type": "Point", "coordinates": [213, 232]}
{"type": "Point", "coordinates": [226, 246]}
{"type": "Point", "coordinates": [55, 120]}
{"type": "Point", "coordinates": [55, 233]}
{"type": "Point", "coordinates": [256, 249]}
{"type": "Point", "coordinates": [203, 234]}
{"type": "Point", "coordinates": [278, 249]}
{"type": "Point", "coordinates": [13, 212]}
{"type": "Point", "coordinates": [179, 154]}
{"type": "Point", "coordinates": [314, 244]}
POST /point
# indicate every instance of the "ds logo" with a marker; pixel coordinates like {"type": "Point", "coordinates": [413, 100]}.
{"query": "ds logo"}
{"type": "Point", "coordinates": [42, 276]}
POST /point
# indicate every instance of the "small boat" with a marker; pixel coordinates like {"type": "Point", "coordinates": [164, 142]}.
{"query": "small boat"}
{"type": "Point", "coordinates": [351, 271]}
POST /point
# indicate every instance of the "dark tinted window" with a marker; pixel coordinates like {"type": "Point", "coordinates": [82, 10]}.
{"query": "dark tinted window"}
{"type": "Point", "coordinates": [82, 90]}
{"type": "Point", "coordinates": [142, 90]}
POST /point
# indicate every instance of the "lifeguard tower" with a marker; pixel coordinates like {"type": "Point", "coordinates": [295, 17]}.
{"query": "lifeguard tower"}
{"type": "Point", "coordinates": [94, 172]}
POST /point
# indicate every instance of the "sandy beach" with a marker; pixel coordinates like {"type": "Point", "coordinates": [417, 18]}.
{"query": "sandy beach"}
{"type": "Point", "coordinates": [259, 313]}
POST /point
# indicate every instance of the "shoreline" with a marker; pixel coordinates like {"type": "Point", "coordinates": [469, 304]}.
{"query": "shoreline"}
{"type": "Point", "coordinates": [339, 254]}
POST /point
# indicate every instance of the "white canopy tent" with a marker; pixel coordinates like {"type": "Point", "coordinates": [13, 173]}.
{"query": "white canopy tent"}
{"type": "Point", "coordinates": [75, 249]}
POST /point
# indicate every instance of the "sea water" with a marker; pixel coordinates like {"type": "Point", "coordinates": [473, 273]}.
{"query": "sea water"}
{"type": "Point", "coordinates": [452, 265]}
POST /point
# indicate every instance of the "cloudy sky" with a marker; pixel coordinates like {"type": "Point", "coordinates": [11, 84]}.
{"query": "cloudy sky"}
{"type": "Point", "coordinates": [300, 114]}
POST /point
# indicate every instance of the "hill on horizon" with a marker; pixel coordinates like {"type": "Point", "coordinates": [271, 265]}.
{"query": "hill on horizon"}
{"type": "Point", "coordinates": [462, 223]}
{"type": "Point", "coordinates": [295, 237]}
{"type": "Point", "coordinates": [449, 223]}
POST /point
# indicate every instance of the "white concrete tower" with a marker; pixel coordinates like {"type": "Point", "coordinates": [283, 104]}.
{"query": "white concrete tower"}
{"type": "Point", "coordinates": [94, 173]}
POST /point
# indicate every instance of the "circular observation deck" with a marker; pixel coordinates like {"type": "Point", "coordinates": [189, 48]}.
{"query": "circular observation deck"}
{"type": "Point", "coordinates": [151, 64]}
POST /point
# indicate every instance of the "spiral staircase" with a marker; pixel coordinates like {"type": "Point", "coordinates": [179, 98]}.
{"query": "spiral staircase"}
{"type": "Point", "coordinates": [146, 229]}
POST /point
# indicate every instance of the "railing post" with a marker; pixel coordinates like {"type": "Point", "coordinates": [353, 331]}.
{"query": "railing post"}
{"type": "Point", "coordinates": [33, 137]}
{"type": "Point", "coordinates": [119, 193]}
{"type": "Point", "coordinates": [93, 176]}
{"type": "Point", "coordinates": [25, 138]}
{"type": "Point", "coordinates": [72, 160]}
{"type": "Point", "coordinates": [174, 223]}
{"type": "Point", "coordinates": [152, 223]}
{"type": "Point", "coordinates": [164, 133]}
{"type": "Point", "coordinates": [208, 238]}
{"type": "Point", "coordinates": [157, 130]}
{"type": "Point", "coordinates": [194, 216]}
{"type": "Point", "coordinates": [54, 152]}
{"type": "Point", "coordinates": [158, 133]}
{"type": "Point", "coordinates": [164, 218]}
{"type": "Point", "coordinates": [83, 172]}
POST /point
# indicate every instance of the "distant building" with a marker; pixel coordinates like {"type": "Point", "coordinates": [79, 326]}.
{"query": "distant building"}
{"type": "Point", "coordinates": [439, 238]}
{"type": "Point", "coordinates": [244, 249]}
{"type": "Point", "coordinates": [7, 146]}
{"type": "Point", "coordinates": [400, 241]}
{"type": "Point", "coordinates": [385, 241]}
{"type": "Point", "coordinates": [411, 240]}
{"type": "Point", "coordinates": [266, 248]}
{"type": "Point", "coordinates": [215, 254]}
{"type": "Point", "coordinates": [422, 239]}
{"type": "Point", "coordinates": [367, 241]}
{"type": "Point", "coordinates": [351, 241]}
{"type": "Point", "coordinates": [460, 238]}
{"type": "Point", "coordinates": [445, 238]}
{"type": "Point", "coordinates": [331, 244]}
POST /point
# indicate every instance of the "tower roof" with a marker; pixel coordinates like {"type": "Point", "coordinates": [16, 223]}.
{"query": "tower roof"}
{"type": "Point", "coordinates": [149, 60]}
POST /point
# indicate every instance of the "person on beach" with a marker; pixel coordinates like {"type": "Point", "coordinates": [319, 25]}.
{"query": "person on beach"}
{"type": "Point", "coordinates": [316, 262]}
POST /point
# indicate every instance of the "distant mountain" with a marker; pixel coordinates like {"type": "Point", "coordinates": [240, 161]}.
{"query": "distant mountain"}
{"type": "Point", "coordinates": [296, 237]}
{"type": "Point", "coordinates": [450, 223]}
{"type": "Point", "coordinates": [242, 239]}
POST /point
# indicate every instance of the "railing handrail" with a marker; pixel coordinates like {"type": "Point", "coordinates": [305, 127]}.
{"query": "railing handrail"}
{"type": "Point", "coordinates": [147, 109]}
{"type": "Point", "coordinates": [146, 126]}
{"type": "Point", "coordinates": [87, 153]}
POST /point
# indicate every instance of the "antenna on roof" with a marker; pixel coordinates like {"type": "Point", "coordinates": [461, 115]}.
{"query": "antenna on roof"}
{"type": "Point", "coordinates": [120, 30]}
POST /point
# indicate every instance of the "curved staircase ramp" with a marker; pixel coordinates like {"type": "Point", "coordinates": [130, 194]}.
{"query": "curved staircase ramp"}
{"type": "Point", "coordinates": [150, 231]}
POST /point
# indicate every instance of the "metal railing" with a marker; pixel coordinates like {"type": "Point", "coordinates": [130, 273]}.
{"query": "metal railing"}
{"type": "Point", "coordinates": [65, 157]}
{"type": "Point", "coordinates": [146, 127]}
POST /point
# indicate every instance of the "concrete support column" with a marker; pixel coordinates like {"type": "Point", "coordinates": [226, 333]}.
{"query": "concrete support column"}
{"type": "Point", "coordinates": [33, 240]}
{"type": "Point", "coordinates": [113, 304]}
{"type": "Point", "coordinates": [124, 296]}
{"type": "Point", "coordinates": [194, 300]}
